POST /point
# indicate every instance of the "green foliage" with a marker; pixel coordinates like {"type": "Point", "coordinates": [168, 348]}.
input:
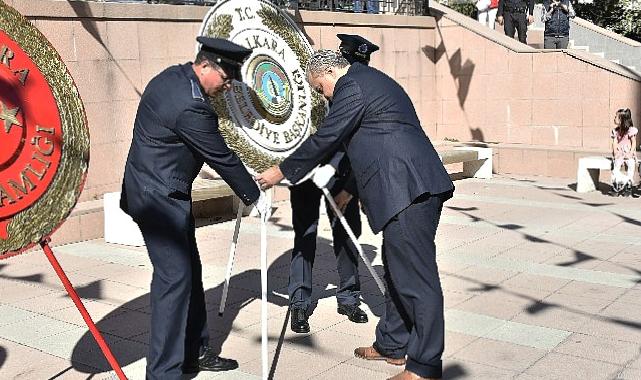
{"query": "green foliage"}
{"type": "Point", "coordinates": [467, 8]}
{"type": "Point", "coordinates": [620, 16]}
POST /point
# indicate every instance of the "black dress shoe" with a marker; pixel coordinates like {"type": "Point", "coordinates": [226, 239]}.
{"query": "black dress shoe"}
{"type": "Point", "coordinates": [209, 361]}
{"type": "Point", "coordinates": [299, 321]}
{"type": "Point", "coordinates": [353, 312]}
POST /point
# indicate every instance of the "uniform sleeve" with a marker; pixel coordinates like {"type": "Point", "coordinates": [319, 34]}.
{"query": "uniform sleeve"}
{"type": "Point", "coordinates": [197, 126]}
{"type": "Point", "coordinates": [530, 6]}
{"type": "Point", "coordinates": [633, 132]}
{"type": "Point", "coordinates": [342, 120]}
{"type": "Point", "coordinates": [499, 12]}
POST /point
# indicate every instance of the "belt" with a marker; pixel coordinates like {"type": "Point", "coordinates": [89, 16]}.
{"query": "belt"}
{"type": "Point", "coordinates": [515, 10]}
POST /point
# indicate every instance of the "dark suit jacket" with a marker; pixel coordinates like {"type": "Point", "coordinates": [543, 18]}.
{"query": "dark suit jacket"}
{"type": "Point", "coordinates": [175, 132]}
{"type": "Point", "coordinates": [393, 160]}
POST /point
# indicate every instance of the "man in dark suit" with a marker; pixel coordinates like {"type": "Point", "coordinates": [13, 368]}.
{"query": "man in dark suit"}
{"type": "Point", "coordinates": [515, 16]}
{"type": "Point", "coordinates": [402, 185]}
{"type": "Point", "coordinates": [305, 201]}
{"type": "Point", "coordinates": [175, 132]}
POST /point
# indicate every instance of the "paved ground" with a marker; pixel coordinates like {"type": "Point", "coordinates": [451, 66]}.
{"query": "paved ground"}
{"type": "Point", "coordinates": [539, 281]}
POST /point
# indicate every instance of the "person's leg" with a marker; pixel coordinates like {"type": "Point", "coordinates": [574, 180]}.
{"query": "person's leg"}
{"type": "Point", "coordinates": [482, 17]}
{"type": "Point", "coordinates": [563, 42]}
{"type": "Point", "coordinates": [349, 287]}
{"type": "Point", "coordinates": [411, 260]}
{"type": "Point", "coordinates": [616, 177]}
{"type": "Point", "coordinates": [630, 164]}
{"type": "Point", "coordinates": [197, 333]}
{"type": "Point", "coordinates": [305, 201]}
{"type": "Point", "coordinates": [549, 42]}
{"type": "Point", "coordinates": [372, 6]}
{"type": "Point", "coordinates": [358, 8]}
{"type": "Point", "coordinates": [394, 326]}
{"type": "Point", "coordinates": [491, 18]}
{"type": "Point", "coordinates": [508, 25]}
{"type": "Point", "coordinates": [521, 25]}
{"type": "Point", "coordinates": [166, 230]}
{"type": "Point", "coordinates": [628, 177]}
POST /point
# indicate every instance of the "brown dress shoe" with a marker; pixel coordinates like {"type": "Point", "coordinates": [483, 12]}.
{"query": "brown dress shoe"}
{"type": "Point", "coordinates": [407, 375]}
{"type": "Point", "coordinates": [370, 353]}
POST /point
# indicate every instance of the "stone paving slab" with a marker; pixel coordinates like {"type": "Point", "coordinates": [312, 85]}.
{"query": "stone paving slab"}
{"type": "Point", "coordinates": [539, 283]}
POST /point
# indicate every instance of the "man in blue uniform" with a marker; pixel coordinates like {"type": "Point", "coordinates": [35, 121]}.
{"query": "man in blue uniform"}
{"type": "Point", "coordinates": [402, 185]}
{"type": "Point", "coordinates": [175, 132]}
{"type": "Point", "coordinates": [355, 48]}
{"type": "Point", "coordinates": [305, 201]}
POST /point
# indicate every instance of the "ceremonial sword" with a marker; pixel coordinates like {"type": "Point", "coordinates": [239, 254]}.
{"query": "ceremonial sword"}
{"type": "Point", "coordinates": [353, 238]}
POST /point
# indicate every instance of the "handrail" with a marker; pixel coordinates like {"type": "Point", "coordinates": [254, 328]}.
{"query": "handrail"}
{"type": "Point", "coordinates": [605, 32]}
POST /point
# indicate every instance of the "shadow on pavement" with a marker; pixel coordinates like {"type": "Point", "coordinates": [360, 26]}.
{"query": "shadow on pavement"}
{"type": "Point", "coordinates": [3, 355]}
{"type": "Point", "coordinates": [126, 328]}
{"type": "Point", "coordinates": [453, 371]}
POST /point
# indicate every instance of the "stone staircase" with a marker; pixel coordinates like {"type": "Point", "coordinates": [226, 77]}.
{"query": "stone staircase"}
{"type": "Point", "coordinates": [587, 37]}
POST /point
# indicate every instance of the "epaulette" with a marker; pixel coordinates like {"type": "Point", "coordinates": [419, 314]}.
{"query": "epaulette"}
{"type": "Point", "coordinates": [196, 93]}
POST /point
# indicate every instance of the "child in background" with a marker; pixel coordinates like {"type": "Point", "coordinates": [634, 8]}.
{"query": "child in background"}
{"type": "Point", "coordinates": [623, 151]}
{"type": "Point", "coordinates": [487, 10]}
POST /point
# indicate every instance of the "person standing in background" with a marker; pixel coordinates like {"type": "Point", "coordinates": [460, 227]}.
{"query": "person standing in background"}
{"type": "Point", "coordinates": [515, 16]}
{"type": "Point", "coordinates": [487, 10]}
{"type": "Point", "coordinates": [556, 17]}
{"type": "Point", "coordinates": [305, 202]}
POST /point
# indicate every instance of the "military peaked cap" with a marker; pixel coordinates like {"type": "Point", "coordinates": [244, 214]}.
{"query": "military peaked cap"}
{"type": "Point", "coordinates": [228, 55]}
{"type": "Point", "coordinates": [356, 48]}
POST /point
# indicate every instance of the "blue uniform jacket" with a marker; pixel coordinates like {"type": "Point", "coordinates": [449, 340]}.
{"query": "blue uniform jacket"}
{"type": "Point", "coordinates": [392, 159]}
{"type": "Point", "coordinates": [175, 132]}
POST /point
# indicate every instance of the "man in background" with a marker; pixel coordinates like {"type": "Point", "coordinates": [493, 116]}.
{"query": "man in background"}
{"type": "Point", "coordinates": [305, 202]}
{"type": "Point", "coordinates": [515, 16]}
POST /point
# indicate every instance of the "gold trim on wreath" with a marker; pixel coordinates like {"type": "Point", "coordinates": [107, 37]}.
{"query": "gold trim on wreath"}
{"type": "Point", "coordinates": [37, 222]}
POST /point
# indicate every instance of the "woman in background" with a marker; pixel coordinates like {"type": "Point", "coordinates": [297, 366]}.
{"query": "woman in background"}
{"type": "Point", "coordinates": [487, 12]}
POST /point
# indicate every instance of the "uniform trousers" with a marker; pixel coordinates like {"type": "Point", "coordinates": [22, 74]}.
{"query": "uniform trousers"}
{"type": "Point", "coordinates": [515, 22]}
{"type": "Point", "coordinates": [305, 201]}
{"type": "Point", "coordinates": [178, 314]}
{"type": "Point", "coordinates": [413, 323]}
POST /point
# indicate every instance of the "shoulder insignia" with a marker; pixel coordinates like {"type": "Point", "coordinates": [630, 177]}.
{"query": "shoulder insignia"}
{"type": "Point", "coordinates": [196, 93]}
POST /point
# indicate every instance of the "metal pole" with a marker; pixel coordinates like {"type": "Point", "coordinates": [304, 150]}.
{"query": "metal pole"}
{"type": "Point", "coordinates": [83, 311]}
{"type": "Point", "coordinates": [351, 235]}
{"type": "Point", "coordinates": [263, 286]}
{"type": "Point", "coordinates": [230, 262]}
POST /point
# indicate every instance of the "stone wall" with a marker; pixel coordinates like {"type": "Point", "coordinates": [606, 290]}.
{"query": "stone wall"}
{"type": "Point", "coordinates": [540, 110]}
{"type": "Point", "coordinates": [112, 51]}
